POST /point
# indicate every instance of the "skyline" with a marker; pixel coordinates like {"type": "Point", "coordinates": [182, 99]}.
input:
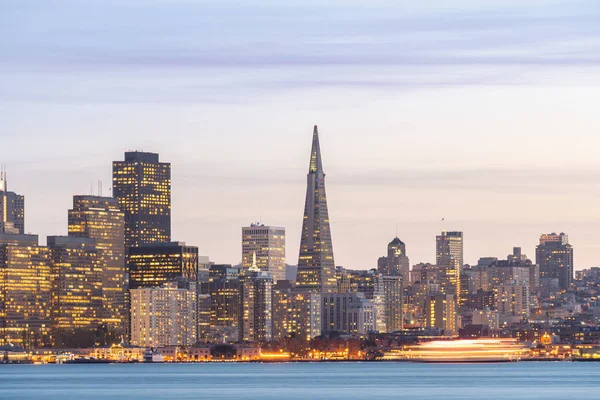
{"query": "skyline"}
{"type": "Point", "coordinates": [480, 114]}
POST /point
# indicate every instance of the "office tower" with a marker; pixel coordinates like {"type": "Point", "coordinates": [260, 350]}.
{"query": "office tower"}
{"type": "Point", "coordinates": [388, 300]}
{"type": "Point", "coordinates": [449, 258]}
{"type": "Point", "coordinates": [512, 302]}
{"type": "Point", "coordinates": [348, 313]}
{"type": "Point", "coordinates": [157, 263]}
{"type": "Point", "coordinates": [142, 185]}
{"type": "Point", "coordinates": [77, 289]}
{"type": "Point", "coordinates": [99, 218]}
{"type": "Point", "coordinates": [25, 291]}
{"type": "Point", "coordinates": [440, 312]}
{"type": "Point", "coordinates": [12, 208]}
{"type": "Point", "coordinates": [554, 255]}
{"type": "Point", "coordinates": [316, 267]}
{"type": "Point", "coordinates": [163, 316]}
{"type": "Point", "coordinates": [256, 291]}
{"type": "Point", "coordinates": [224, 289]}
{"type": "Point", "coordinates": [396, 263]}
{"type": "Point", "coordinates": [268, 243]}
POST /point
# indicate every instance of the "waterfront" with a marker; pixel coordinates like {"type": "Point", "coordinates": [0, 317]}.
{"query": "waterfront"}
{"type": "Point", "coordinates": [530, 380]}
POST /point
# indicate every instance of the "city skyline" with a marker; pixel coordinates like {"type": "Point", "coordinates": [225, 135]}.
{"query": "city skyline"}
{"type": "Point", "coordinates": [480, 114]}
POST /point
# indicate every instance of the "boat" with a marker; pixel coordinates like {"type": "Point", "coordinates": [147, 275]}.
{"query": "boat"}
{"type": "Point", "coordinates": [461, 351]}
{"type": "Point", "coordinates": [153, 356]}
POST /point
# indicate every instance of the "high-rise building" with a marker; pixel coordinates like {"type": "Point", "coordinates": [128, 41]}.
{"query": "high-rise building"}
{"type": "Point", "coordinates": [396, 263]}
{"type": "Point", "coordinates": [316, 267]}
{"type": "Point", "coordinates": [554, 255]}
{"type": "Point", "coordinates": [77, 288]}
{"type": "Point", "coordinates": [158, 263]}
{"type": "Point", "coordinates": [25, 291]}
{"type": "Point", "coordinates": [99, 218]}
{"type": "Point", "coordinates": [449, 258]}
{"type": "Point", "coordinates": [203, 316]}
{"type": "Point", "coordinates": [224, 289]}
{"type": "Point", "coordinates": [142, 185]}
{"type": "Point", "coordinates": [256, 314]}
{"type": "Point", "coordinates": [440, 312]}
{"type": "Point", "coordinates": [348, 313]}
{"type": "Point", "coordinates": [512, 302]}
{"type": "Point", "coordinates": [268, 243]}
{"type": "Point", "coordinates": [163, 316]}
{"type": "Point", "coordinates": [12, 209]}
{"type": "Point", "coordinates": [388, 299]}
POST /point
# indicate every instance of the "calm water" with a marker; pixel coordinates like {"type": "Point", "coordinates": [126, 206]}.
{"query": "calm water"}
{"type": "Point", "coordinates": [543, 380]}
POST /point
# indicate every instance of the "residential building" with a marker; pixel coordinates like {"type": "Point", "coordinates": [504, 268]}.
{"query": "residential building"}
{"type": "Point", "coordinates": [163, 316]}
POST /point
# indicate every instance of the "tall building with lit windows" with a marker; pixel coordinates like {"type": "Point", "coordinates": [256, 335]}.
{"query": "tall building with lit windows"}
{"type": "Point", "coordinates": [316, 267]}
{"type": "Point", "coordinates": [449, 258]}
{"type": "Point", "coordinates": [25, 291]}
{"type": "Point", "coordinates": [256, 314]}
{"type": "Point", "coordinates": [389, 304]}
{"type": "Point", "coordinates": [100, 218]}
{"type": "Point", "coordinates": [163, 316]}
{"type": "Point", "coordinates": [77, 288]}
{"type": "Point", "coordinates": [12, 209]}
{"type": "Point", "coordinates": [158, 263]}
{"type": "Point", "coordinates": [554, 255]}
{"type": "Point", "coordinates": [268, 243]}
{"type": "Point", "coordinates": [142, 185]}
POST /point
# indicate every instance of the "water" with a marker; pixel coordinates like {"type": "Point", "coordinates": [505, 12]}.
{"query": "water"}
{"type": "Point", "coordinates": [306, 381]}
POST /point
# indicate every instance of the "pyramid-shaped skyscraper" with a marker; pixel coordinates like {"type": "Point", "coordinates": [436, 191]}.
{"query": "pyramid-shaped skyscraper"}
{"type": "Point", "coordinates": [316, 267]}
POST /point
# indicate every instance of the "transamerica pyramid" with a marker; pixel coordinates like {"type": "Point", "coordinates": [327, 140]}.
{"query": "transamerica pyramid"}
{"type": "Point", "coordinates": [316, 268]}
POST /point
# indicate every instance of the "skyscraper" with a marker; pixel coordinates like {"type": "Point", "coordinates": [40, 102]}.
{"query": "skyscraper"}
{"type": "Point", "coordinates": [449, 258]}
{"type": "Point", "coordinates": [12, 209]}
{"type": "Point", "coordinates": [99, 218]}
{"type": "Point", "coordinates": [142, 185]}
{"type": "Point", "coordinates": [396, 263]}
{"type": "Point", "coordinates": [268, 244]}
{"type": "Point", "coordinates": [25, 291]}
{"type": "Point", "coordinates": [554, 255]}
{"type": "Point", "coordinates": [388, 299]}
{"type": "Point", "coordinates": [77, 289]}
{"type": "Point", "coordinates": [316, 267]}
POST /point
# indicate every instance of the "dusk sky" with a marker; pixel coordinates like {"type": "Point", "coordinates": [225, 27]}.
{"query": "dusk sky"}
{"type": "Point", "coordinates": [485, 113]}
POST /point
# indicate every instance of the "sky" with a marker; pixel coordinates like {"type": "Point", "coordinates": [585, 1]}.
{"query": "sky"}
{"type": "Point", "coordinates": [484, 113]}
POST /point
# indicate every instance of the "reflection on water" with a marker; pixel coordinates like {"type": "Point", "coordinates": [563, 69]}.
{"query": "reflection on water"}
{"type": "Point", "coordinates": [306, 381]}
